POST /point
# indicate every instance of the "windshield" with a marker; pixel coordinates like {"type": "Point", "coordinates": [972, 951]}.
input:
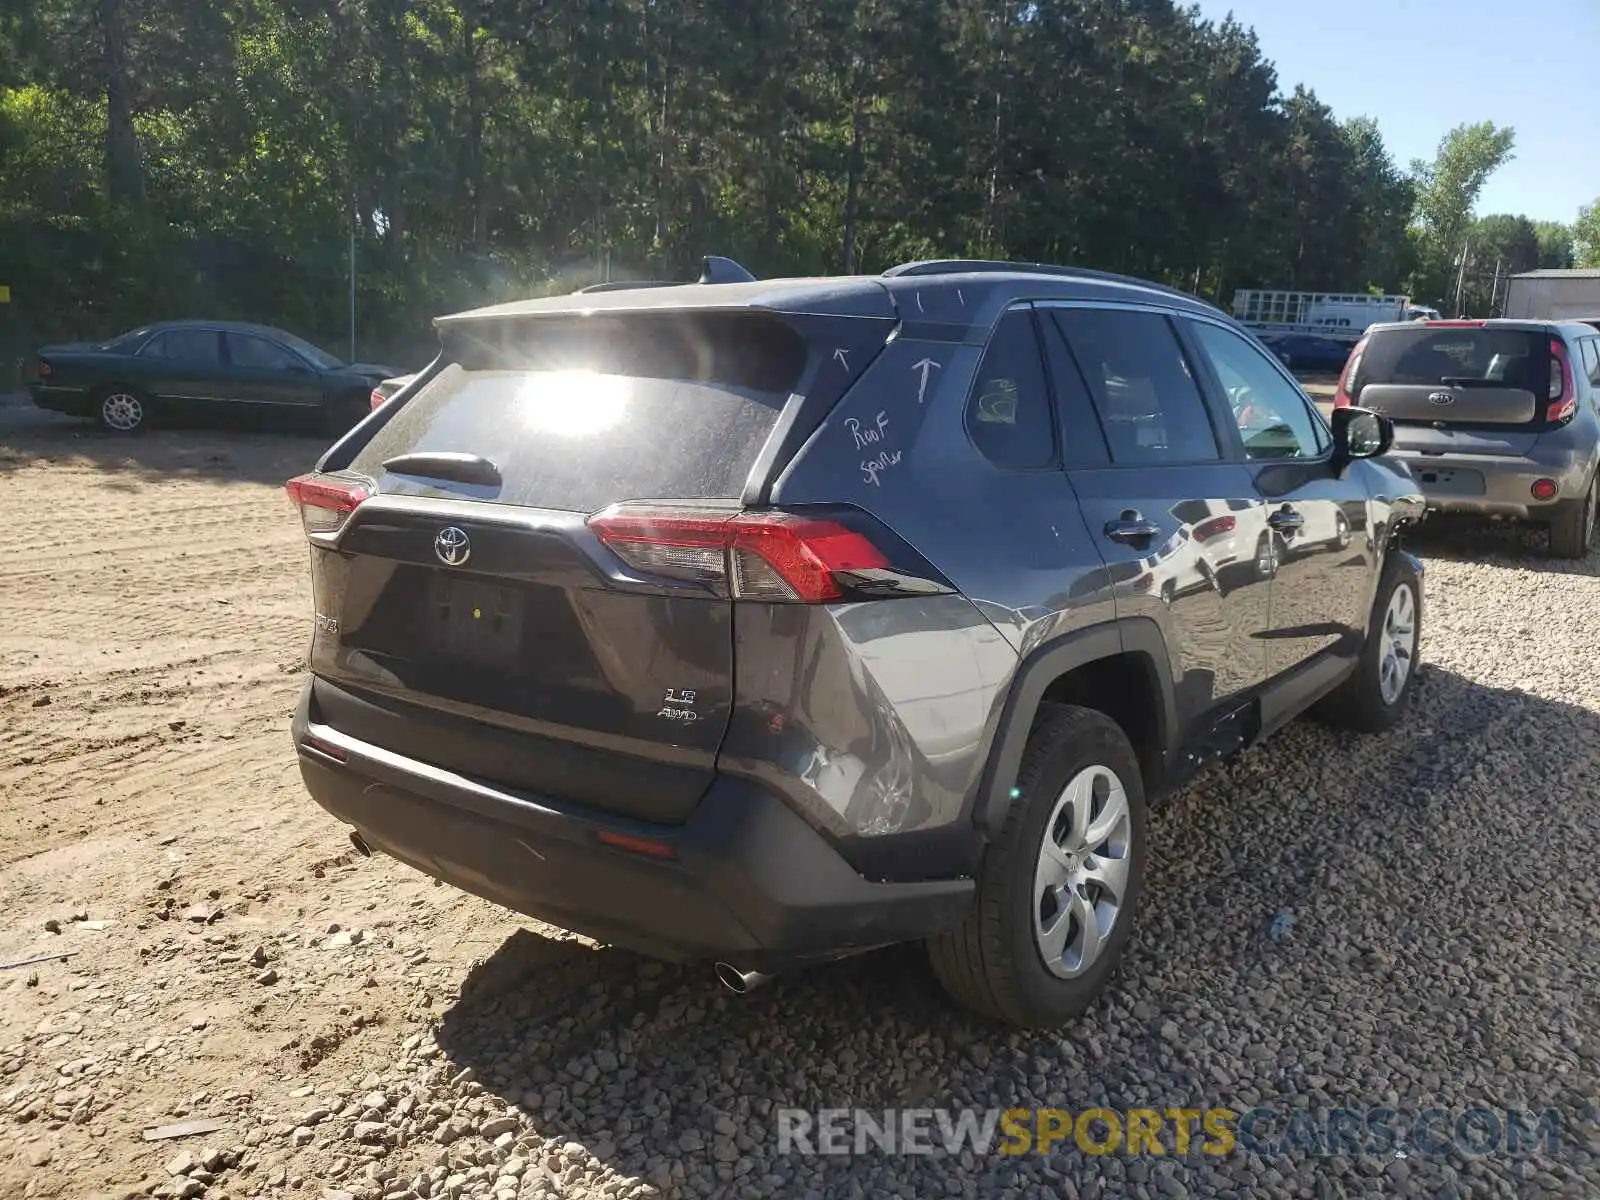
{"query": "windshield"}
{"type": "Point", "coordinates": [1455, 356]}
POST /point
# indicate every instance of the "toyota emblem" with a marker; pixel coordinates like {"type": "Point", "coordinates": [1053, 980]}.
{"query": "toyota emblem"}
{"type": "Point", "coordinates": [1440, 399]}
{"type": "Point", "coordinates": [453, 546]}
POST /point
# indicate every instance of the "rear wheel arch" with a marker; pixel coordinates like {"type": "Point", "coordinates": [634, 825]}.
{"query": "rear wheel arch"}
{"type": "Point", "coordinates": [1120, 669]}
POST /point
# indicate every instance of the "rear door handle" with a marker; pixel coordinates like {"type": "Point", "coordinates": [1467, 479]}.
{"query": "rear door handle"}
{"type": "Point", "coordinates": [1131, 527]}
{"type": "Point", "coordinates": [1286, 520]}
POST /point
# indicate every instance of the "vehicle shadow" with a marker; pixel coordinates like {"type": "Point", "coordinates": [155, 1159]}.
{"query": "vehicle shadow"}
{"type": "Point", "coordinates": [1468, 539]}
{"type": "Point", "coordinates": [657, 1072]}
{"type": "Point", "coordinates": [30, 436]}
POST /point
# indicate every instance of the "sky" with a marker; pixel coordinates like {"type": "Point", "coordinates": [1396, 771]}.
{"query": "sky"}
{"type": "Point", "coordinates": [1422, 67]}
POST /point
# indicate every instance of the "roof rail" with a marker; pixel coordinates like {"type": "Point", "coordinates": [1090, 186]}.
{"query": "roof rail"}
{"type": "Point", "coordinates": [622, 285]}
{"type": "Point", "coordinates": [972, 266]}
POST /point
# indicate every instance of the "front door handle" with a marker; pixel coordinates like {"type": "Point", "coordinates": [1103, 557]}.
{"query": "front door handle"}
{"type": "Point", "coordinates": [1131, 527]}
{"type": "Point", "coordinates": [1286, 520]}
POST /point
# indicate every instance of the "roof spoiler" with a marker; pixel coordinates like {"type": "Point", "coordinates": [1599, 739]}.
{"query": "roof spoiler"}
{"type": "Point", "coordinates": [713, 269]}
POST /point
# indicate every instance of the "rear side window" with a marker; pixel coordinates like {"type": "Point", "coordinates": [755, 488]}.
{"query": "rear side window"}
{"type": "Point", "coordinates": [1591, 359]}
{"type": "Point", "coordinates": [1149, 404]}
{"type": "Point", "coordinates": [1008, 412]}
{"type": "Point", "coordinates": [193, 347]}
{"type": "Point", "coordinates": [1456, 356]}
{"type": "Point", "coordinates": [582, 412]}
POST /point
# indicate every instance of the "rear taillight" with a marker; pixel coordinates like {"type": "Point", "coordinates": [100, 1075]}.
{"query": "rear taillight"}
{"type": "Point", "coordinates": [756, 556]}
{"type": "Point", "coordinates": [45, 369]}
{"type": "Point", "coordinates": [325, 502]}
{"type": "Point", "coordinates": [1215, 527]}
{"type": "Point", "coordinates": [1563, 393]}
{"type": "Point", "coordinates": [1342, 397]}
{"type": "Point", "coordinates": [375, 399]}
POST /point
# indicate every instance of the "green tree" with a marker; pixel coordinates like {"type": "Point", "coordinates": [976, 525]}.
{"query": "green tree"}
{"type": "Point", "coordinates": [1447, 188]}
{"type": "Point", "coordinates": [1586, 236]}
{"type": "Point", "coordinates": [1555, 244]}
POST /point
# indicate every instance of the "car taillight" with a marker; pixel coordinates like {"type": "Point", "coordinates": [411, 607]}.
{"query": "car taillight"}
{"type": "Point", "coordinates": [757, 556]}
{"type": "Point", "coordinates": [45, 369]}
{"type": "Point", "coordinates": [375, 399]}
{"type": "Point", "coordinates": [1563, 393]}
{"type": "Point", "coordinates": [1215, 526]}
{"type": "Point", "coordinates": [325, 503]}
{"type": "Point", "coordinates": [1342, 397]}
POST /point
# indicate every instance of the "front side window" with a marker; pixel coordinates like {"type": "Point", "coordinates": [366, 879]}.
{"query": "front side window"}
{"type": "Point", "coordinates": [1273, 418]}
{"type": "Point", "coordinates": [1149, 405]}
{"type": "Point", "coordinates": [192, 347]}
{"type": "Point", "coordinates": [247, 351]}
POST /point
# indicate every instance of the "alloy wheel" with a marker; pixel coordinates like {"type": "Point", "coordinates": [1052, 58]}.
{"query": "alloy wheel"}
{"type": "Point", "coordinates": [122, 411]}
{"type": "Point", "coordinates": [1399, 647]}
{"type": "Point", "coordinates": [1081, 879]}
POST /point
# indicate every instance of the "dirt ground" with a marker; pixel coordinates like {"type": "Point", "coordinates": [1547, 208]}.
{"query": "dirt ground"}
{"type": "Point", "coordinates": [362, 1034]}
{"type": "Point", "coordinates": [153, 615]}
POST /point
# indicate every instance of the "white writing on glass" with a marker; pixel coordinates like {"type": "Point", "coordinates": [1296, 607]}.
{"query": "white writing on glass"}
{"type": "Point", "coordinates": [872, 435]}
{"type": "Point", "coordinates": [924, 365]}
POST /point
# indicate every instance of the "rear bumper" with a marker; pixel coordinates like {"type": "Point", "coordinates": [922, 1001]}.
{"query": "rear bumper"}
{"type": "Point", "coordinates": [1491, 485]}
{"type": "Point", "coordinates": [750, 882]}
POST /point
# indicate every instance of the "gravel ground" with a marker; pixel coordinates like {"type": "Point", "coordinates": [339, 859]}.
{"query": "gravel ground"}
{"type": "Point", "coordinates": [1410, 920]}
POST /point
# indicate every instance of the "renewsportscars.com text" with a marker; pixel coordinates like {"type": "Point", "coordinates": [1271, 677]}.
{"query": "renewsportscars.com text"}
{"type": "Point", "coordinates": [1178, 1132]}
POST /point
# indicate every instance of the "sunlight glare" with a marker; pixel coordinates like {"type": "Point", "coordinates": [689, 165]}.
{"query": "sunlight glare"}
{"type": "Point", "coordinates": [572, 403]}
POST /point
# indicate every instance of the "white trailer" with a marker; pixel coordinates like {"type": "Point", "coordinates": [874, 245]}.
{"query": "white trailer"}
{"type": "Point", "coordinates": [1553, 295]}
{"type": "Point", "coordinates": [1332, 314]}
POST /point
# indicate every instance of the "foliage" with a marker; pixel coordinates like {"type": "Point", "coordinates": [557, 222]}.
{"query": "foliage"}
{"type": "Point", "coordinates": [1586, 236]}
{"type": "Point", "coordinates": [168, 157]}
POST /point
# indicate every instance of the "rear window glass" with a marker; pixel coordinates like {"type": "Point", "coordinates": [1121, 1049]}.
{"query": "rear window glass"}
{"type": "Point", "coordinates": [1457, 356]}
{"type": "Point", "coordinates": [579, 413]}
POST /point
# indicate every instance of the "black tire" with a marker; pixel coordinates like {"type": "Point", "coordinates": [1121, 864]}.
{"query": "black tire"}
{"type": "Point", "coordinates": [992, 961]}
{"type": "Point", "coordinates": [1360, 702]}
{"type": "Point", "coordinates": [1572, 528]}
{"type": "Point", "coordinates": [344, 414]}
{"type": "Point", "coordinates": [120, 408]}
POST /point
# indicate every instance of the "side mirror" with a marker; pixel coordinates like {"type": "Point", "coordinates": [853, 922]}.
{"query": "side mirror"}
{"type": "Point", "coordinates": [1360, 433]}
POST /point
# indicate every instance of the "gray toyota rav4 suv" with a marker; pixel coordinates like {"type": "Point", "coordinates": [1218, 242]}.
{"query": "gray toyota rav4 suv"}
{"type": "Point", "coordinates": [1496, 418]}
{"type": "Point", "coordinates": [769, 622]}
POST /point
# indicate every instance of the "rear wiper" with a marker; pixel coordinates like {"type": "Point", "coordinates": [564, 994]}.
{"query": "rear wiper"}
{"type": "Point", "coordinates": [1468, 381]}
{"type": "Point", "coordinates": [446, 464]}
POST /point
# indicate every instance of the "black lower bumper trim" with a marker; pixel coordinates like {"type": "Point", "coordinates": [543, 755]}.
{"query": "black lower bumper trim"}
{"type": "Point", "coordinates": [751, 882]}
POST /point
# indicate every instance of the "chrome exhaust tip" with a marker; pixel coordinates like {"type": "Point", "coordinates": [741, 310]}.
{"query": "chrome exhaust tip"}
{"type": "Point", "coordinates": [740, 983]}
{"type": "Point", "coordinates": [360, 843]}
